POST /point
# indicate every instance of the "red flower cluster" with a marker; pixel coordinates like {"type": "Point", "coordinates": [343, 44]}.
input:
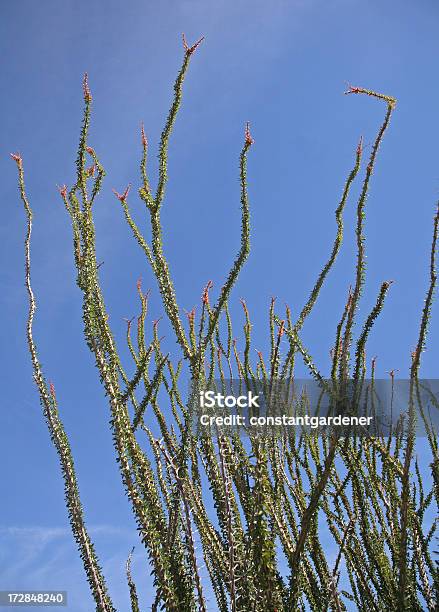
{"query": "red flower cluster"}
{"type": "Point", "coordinates": [190, 50]}
{"type": "Point", "coordinates": [122, 196]}
{"type": "Point", "coordinates": [205, 296]}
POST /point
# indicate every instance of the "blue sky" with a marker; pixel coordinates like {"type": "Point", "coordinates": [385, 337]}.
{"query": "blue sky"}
{"type": "Point", "coordinates": [283, 66]}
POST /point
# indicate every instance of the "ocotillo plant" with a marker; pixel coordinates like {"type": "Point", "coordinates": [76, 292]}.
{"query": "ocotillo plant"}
{"type": "Point", "coordinates": [251, 510]}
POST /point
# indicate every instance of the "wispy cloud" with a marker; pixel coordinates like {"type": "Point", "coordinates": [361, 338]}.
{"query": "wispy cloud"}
{"type": "Point", "coordinates": [45, 558]}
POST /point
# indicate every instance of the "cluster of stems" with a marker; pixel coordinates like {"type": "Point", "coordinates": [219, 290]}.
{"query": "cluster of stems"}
{"type": "Point", "coordinates": [231, 522]}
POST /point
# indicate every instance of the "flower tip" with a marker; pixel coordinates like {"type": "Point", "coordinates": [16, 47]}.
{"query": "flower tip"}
{"type": "Point", "coordinates": [122, 196]}
{"type": "Point", "coordinates": [352, 90]}
{"type": "Point", "coordinates": [194, 47]}
{"type": "Point", "coordinates": [191, 315]}
{"type": "Point", "coordinates": [205, 296]}
{"type": "Point", "coordinates": [144, 139]}
{"type": "Point", "coordinates": [62, 191]}
{"type": "Point", "coordinates": [17, 158]}
{"type": "Point", "coordinates": [248, 137]}
{"type": "Point", "coordinates": [155, 323]}
{"type": "Point", "coordinates": [86, 88]}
